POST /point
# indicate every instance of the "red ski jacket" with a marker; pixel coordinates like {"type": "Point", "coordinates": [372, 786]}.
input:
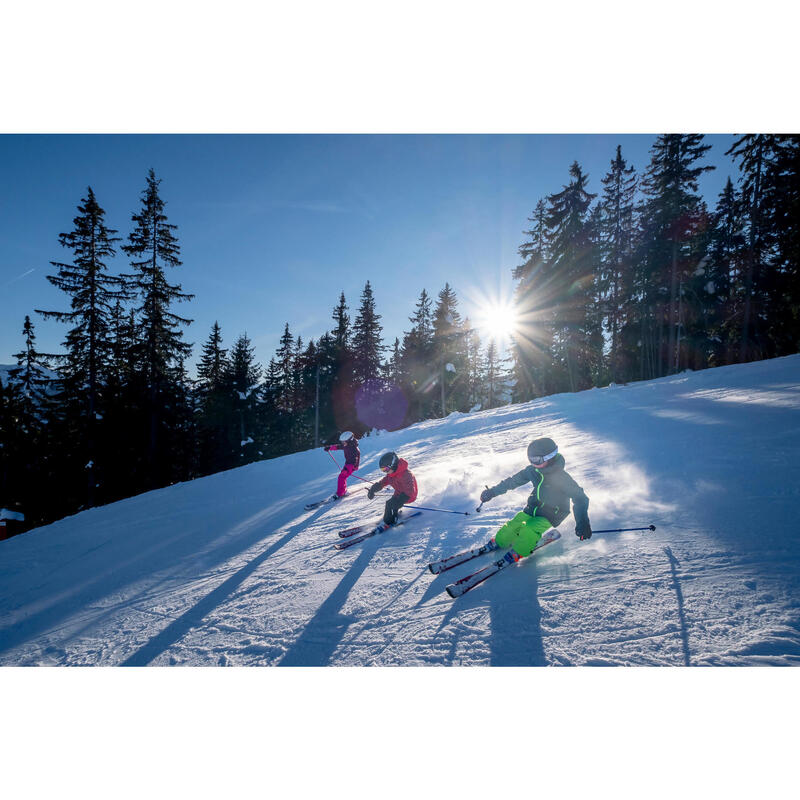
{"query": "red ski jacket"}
{"type": "Point", "coordinates": [401, 480]}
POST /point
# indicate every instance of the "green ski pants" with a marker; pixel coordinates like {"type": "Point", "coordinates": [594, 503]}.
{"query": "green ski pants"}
{"type": "Point", "coordinates": [522, 533]}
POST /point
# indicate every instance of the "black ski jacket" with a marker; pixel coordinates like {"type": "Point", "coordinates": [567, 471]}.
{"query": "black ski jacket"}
{"type": "Point", "coordinates": [553, 487]}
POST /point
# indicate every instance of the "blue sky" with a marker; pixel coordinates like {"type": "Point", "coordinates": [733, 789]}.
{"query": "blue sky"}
{"type": "Point", "coordinates": [273, 227]}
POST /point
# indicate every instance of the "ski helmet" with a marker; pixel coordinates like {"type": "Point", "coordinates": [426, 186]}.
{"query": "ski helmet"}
{"type": "Point", "coordinates": [346, 436]}
{"type": "Point", "coordinates": [540, 451]}
{"type": "Point", "coordinates": [388, 462]}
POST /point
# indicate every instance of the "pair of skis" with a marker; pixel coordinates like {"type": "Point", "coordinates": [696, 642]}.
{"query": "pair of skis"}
{"type": "Point", "coordinates": [471, 581]}
{"type": "Point", "coordinates": [350, 537]}
{"type": "Point", "coordinates": [333, 498]}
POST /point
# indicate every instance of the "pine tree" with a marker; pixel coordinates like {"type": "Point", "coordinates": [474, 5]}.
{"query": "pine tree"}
{"type": "Point", "coordinates": [25, 439]}
{"type": "Point", "coordinates": [533, 297]}
{"type": "Point", "coordinates": [32, 377]}
{"type": "Point", "coordinates": [416, 368]}
{"type": "Point", "coordinates": [617, 231]}
{"type": "Point", "coordinates": [284, 383]}
{"type": "Point", "coordinates": [494, 376]}
{"type": "Point", "coordinates": [448, 351]}
{"type": "Point", "coordinates": [153, 248]}
{"type": "Point", "coordinates": [570, 246]}
{"type": "Point", "coordinates": [721, 273]}
{"type": "Point", "coordinates": [670, 217]}
{"type": "Point", "coordinates": [341, 331]}
{"type": "Point", "coordinates": [784, 291]}
{"type": "Point", "coordinates": [93, 293]}
{"type": "Point", "coordinates": [243, 375]}
{"type": "Point", "coordinates": [474, 365]}
{"type": "Point", "coordinates": [367, 342]}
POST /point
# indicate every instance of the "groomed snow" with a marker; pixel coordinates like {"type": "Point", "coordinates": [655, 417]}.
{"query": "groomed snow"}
{"type": "Point", "coordinates": [230, 570]}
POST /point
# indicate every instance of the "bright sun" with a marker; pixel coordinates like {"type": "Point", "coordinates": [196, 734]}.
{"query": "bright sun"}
{"type": "Point", "coordinates": [498, 321]}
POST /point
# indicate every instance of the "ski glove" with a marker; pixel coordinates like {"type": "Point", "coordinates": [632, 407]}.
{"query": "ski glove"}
{"type": "Point", "coordinates": [327, 448]}
{"type": "Point", "coordinates": [373, 490]}
{"type": "Point", "coordinates": [486, 495]}
{"type": "Point", "coordinates": [583, 530]}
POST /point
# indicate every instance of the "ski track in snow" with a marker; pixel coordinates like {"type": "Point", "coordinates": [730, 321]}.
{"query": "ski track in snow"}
{"type": "Point", "coordinates": [229, 570]}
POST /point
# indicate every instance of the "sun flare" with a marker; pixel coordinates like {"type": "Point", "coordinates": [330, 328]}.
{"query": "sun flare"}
{"type": "Point", "coordinates": [498, 321]}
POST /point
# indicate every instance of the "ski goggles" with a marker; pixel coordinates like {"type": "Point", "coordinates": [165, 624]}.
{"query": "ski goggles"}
{"type": "Point", "coordinates": [539, 460]}
{"type": "Point", "coordinates": [386, 469]}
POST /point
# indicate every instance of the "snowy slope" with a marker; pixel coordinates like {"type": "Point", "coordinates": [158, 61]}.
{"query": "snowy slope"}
{"type": "Point", "coordinates": [230, 570]}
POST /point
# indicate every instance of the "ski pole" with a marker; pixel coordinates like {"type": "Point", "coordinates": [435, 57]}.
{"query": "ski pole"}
{"type": "Point", "coordinates": [352, 474]}
{"type": "Point", "coordinates": [623, 530]}
{"type": "Point", "coordinates": [442, 510]}
{"type": "Point", "coordinates": [478, 509]}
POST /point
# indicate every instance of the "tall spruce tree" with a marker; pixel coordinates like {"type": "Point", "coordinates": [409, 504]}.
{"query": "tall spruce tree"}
{"type": "Point", "coordinates": [570, 264]}
{"type": "Point", "coordinates": [533, 296]}
{"type": "Point", "coordinates": [243, 376]}
{"type": "Point", "coordinates": [617, 231]}
{"type": "Point", "coordinates": [153, 248]}
{"type": "Point", "coordinates": [449, 352]}
{"type": "Point", "coordinates": [84, 367]}
{"type": "Point", "coordinates": [671, 215]}
{"type": "Point", "coordinates": [214, 408]}
{"type": "Point", "coordinates": [417, 369]}
{"type": "Point", "coordinates": [367, 342]}
{"type": "Point", "coordinates": [721, 271]}
{"type": "Point", "coordinates": [785, 289]}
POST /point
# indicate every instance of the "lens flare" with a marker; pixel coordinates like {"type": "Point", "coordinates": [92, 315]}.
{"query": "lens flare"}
{"type": "Point", "coordinates": [498, 321]}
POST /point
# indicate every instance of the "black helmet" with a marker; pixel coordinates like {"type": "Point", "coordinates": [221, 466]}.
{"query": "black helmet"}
{"type": "Point", "coordinates": [540, 451]}
{"type": "Point", "coordinates": [388, 462]}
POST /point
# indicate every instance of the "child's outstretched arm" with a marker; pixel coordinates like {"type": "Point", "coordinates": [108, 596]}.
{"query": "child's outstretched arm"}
{"type": "Point", "coordinates": [519, 479]}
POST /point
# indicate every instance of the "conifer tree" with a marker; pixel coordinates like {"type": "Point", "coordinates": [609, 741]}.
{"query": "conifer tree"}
{"type": "Point", "coordinates": [494, 376]}
{"type": "Point", "coordinates": [617, 231]}
{"type": "Point", "coordinates": [243, 375]}
{"type": "Point", "coordinates": [721, 273]}
{"type": "Point", "coordinates": [32, 377]}
{"type": "Point", "coordinates": [214, 410]}
{"type": "Point", "coordinates": [26, 440]}
{"type": "Point", "coordinates": [341, 330]}
{"type": "Point", "coordinates": [367, 342]}
{"type": "Point", "coordinates": [93, 292]}
{"type": "Point", "coordinates": [448, 351]}
{"type": "Point", "coordinates": [474, 365]}
{"type": "Point", "coordinates": [570, 264]}
{"type": "Point", "coordinates": [784, 291]}
{"type": "Point", "coordinates": [670, 217]}
{"type": "Point", "coordinates": [416, 368]}
{"type": "Point", "coordinates": [153, 248]}
{"type": "Point", "coordinates": [533, 300]}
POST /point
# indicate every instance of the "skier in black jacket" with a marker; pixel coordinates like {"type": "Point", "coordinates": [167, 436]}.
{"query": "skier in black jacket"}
{"type": "Point", "coordinates": [548, 504]}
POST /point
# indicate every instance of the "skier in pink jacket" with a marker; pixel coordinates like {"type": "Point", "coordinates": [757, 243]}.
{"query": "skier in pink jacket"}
{"type": "Point", "coordinates": [352, 457]}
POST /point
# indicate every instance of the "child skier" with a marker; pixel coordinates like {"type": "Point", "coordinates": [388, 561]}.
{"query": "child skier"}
{"type": "Point", "coordinates": [401, 479]}
{"type": "Point", "coordinates": [548, 504]}
{"type": "Point", "coordinates": [352, 457]}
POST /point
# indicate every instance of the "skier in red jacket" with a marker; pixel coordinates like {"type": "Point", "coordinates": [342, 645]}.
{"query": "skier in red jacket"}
{"type": "Point", "coordinates": [352, 456]}
{"type": "Point", "coordinates": [401, 479]}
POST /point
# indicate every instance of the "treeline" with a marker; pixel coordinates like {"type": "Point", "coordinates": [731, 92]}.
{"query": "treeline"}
{"type": "Point", "coordinates": [641, 279]}
{"type": "Point", "coordinates": [637, 280]}
{"type": "Point", "coordinates": [117, 413]}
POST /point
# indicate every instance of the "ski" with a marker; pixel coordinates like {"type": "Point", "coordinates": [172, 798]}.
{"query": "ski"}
{"type": "Point", "coordinates": [379, 528]}
{"type": "Point", "coordinates": [444, 564]}
{"type": "Point", "coordinates": [332, 498]}
{"type": "Point", "coordinates": [318, 503]}
{"type": "Point", "coordinates": [471, 581]}
{"type": "Point", "coordinates": [347, 532]}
